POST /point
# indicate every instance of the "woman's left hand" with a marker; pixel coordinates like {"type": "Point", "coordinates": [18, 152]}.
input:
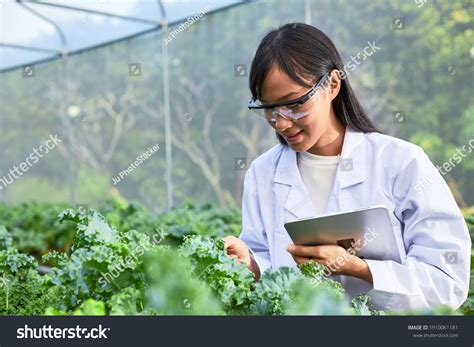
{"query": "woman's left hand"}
{"type": "Point", "coordinates": [335, 258]}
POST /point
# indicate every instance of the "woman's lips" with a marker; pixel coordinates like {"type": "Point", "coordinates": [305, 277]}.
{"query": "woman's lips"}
{"type": "Point", "coordinates": [295, 137]}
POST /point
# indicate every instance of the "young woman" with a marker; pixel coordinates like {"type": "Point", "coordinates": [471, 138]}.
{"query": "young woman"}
{"type": "Point", "coordinates": [332, 158]}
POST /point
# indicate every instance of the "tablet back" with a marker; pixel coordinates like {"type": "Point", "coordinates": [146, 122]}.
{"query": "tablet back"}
{"type": "Point", "coordinates": [368, 231]}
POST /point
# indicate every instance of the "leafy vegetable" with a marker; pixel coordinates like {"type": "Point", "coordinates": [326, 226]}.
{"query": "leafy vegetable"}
{"type": "Point", "coordinates": [205, 221]}
{"type": "Point", "coordinates": [108, 267]}
{"type": "Point", "coordinates": [231, 281]}
{"type": "Point", "coordinates": [22, 290]}
{"type": "Point", "coordinates": [102, 262]}
{"type": "Point", "coordinates": [35, 228]}
{"type": "Point", "coordinates": [173, 289]}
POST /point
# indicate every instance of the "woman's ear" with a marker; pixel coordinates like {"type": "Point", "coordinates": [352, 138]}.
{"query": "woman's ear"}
{"type": "Point", "coordinates": [334, 84]}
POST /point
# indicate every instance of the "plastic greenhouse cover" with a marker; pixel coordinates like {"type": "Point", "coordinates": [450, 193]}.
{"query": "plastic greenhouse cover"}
{"type": "Point", "coordinates": [83, 30]}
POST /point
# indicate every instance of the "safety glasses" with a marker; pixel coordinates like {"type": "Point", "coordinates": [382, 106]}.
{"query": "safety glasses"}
{"type": "Point", "coordinates": [293, 110]}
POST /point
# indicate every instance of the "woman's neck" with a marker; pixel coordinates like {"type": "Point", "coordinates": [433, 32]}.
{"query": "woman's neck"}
{"type": "Point", "coordinates": [331, 141]}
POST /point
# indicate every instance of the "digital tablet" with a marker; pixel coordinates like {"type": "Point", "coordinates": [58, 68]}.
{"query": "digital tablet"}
{"type": "Point", "coordinates": [367, 231]}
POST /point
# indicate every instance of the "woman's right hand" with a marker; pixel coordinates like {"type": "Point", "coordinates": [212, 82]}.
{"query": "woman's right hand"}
{"type": "Point", "coordinates": [236, 248]}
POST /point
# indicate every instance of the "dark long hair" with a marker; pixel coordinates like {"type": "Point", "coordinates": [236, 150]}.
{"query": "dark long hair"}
{"type": "Point", "coordinates": [303, 51]}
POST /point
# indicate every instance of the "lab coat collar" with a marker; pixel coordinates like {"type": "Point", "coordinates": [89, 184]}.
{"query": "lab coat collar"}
{"type": "Point", "coordinates": [351, 171]}
{"type": "Point", "coordinates": [353, 154]}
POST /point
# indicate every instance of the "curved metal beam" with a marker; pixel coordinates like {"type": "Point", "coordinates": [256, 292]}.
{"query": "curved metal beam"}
{"type": "Point", "coordinates": [29, 48]}
{"type": "Point", "coordinates": [124, 38]}
{"type": "Point", "coordinates": [46, 19]}
{"type": "Point", "coordinates": [108, 14]}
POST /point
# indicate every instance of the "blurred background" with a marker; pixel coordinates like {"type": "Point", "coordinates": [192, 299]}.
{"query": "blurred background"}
{"type": "Point", "coordinates": [113, 78]}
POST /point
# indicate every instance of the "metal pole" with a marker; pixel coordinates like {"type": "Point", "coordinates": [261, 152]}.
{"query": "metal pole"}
{"type": "Point", "coordinates": [166, 102]}
{"type": "Point", "coordinates": [65, 99]}
{"type": "Point", "coordinates": [72, 162]}
{"type": "Point", "coordinates": [307, 12]}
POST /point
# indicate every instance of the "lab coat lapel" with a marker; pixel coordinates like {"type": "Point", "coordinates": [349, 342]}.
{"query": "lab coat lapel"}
{"type": "Point", "coordinates": [350, 172]}
{"type": "Point", "coordinates": [290, 192]}
{"type": "Point", "coordinates": [289, 187]}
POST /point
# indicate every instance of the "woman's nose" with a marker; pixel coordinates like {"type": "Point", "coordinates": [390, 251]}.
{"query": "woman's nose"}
{"type": "Point", "coordinates": [282, 124]}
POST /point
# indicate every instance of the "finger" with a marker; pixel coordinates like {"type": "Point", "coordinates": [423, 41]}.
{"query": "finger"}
{"type": "Point", "coordinates": [232, 253]}
{"type": "Point", "coordinates": [230, 249]}
{"type": "Point", "coordinates": [304, 251]}
{"type": "Point", "coordinates": [228, 241]}
{"type": "Point", "coordinates": [227, 238]}
{"type": "Point", "coordinates": [301, 260]}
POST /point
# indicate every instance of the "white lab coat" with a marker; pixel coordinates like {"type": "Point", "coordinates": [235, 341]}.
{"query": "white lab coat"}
{"type": "Point", "coordinates": [386, 170]}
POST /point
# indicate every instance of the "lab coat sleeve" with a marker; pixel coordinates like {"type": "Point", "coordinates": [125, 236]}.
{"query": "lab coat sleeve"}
{"type": "Point", "coordinates": [436, 269]}
{"type": "Point", "coordinates": [253, 233]}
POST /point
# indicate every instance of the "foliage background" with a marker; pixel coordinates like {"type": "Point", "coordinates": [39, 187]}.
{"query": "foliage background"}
{"type": "Point", "coordinates": [424, 70]}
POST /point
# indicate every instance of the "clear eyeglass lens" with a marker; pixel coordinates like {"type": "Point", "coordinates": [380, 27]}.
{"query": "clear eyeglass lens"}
{"type": "Point", "coordinates": [293, 113]}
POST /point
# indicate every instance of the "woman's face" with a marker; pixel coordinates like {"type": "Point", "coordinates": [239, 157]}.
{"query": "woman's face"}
{"type": "Point", "coordinates": [306, 132]}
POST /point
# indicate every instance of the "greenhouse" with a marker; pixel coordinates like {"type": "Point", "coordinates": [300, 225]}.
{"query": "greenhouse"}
{"type": "Point", "coordinates": [136, 178]}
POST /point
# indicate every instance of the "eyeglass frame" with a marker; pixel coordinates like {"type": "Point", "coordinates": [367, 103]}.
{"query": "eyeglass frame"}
{"type": "Point", "coordinates": [298, 101]}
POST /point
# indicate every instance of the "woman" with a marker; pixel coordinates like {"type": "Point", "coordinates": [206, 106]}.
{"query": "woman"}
{"type": "Point", "coordinates": [332, 158]}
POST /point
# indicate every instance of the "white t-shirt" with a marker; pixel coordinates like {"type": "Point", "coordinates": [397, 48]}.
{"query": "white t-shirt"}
{"type": "Point", "coordinates": [317, 173]}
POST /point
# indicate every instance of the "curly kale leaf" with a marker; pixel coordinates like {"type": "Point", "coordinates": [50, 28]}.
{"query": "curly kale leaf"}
{"type": "Point", "coordinates": [173, 288]}
{"type": "Point", "coordinates": [286, 291]}
{"type": "Point", "coordinates": [129, 301]}
{"type": "Point", "coordinates": [35, 228]}
{"type": "Point", "coordinates": [22, 290]}
{"type": "Point", "coordinates": [13, 263]}
{"type": "Point", "coordinates": [92, 228]}
{"type": "Point", "coordinates": [272, 292]}
{"type": "Point", "coordinates": [102, 261]}
{"type": "Point", "coordinates": [89, 307]}
{"type": "Point", "coordinates": [232, 281]}
{"type": "Point", "coordinates": [318, 276]}
{"type": "Point", "coordinates": [362, 305]}
{"type": "Point", "coordinates": [200, 220]}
